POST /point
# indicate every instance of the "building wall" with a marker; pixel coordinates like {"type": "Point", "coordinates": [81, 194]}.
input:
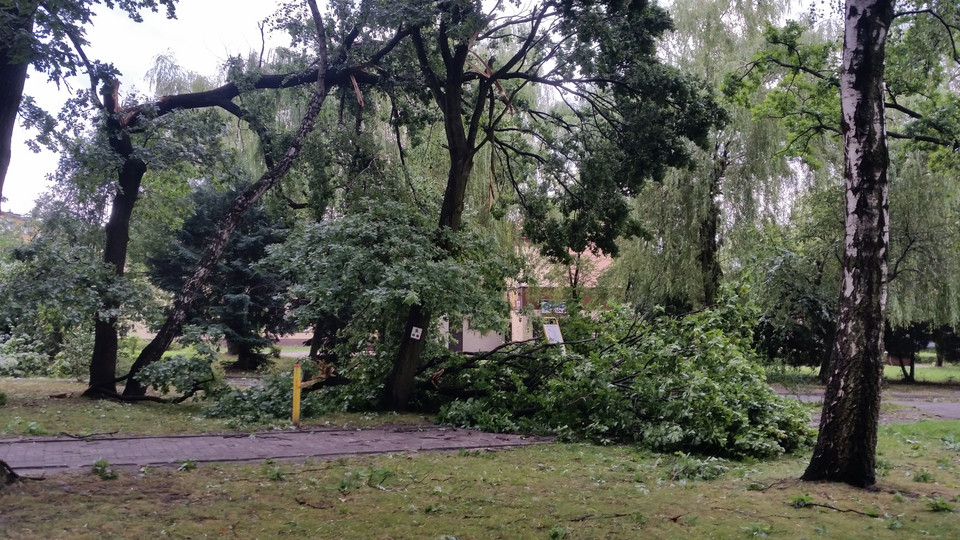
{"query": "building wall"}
{"type": "Point", "coordinates": [476, 341]}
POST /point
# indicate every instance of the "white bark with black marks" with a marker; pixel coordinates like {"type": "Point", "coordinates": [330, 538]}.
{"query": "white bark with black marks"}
{"type": "Point", "coordinates": [846, 446]}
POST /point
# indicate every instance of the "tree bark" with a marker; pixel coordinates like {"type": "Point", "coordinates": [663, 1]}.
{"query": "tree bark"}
{"type": "Point", "coordinates": [191, 289]}
{"type": "Point", "coordinates": [103, 364]}
{"type": "Point", "coordinates": [400, 383]}
{"type": "Point", "coordinates": [461, 143]}
{"type": "Point", "coordinates": [13, 74]}
{"type": "Point", "coordinates": [846, 446]}
{"type": "Point", "coordinates": [710, 270]}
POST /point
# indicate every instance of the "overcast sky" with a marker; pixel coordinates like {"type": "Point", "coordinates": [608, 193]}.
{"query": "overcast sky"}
{"type": "Point", "coordinates": [204, 35]}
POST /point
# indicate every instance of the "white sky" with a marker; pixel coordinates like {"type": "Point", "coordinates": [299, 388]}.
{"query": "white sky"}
{"type": "Point", "coordinates": [204, 35]}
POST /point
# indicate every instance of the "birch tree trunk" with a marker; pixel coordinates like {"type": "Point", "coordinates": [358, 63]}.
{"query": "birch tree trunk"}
{"type": "Point", "coordinates": [846, 446]}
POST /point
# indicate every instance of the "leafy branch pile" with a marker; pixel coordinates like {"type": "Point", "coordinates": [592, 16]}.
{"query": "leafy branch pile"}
{"type": "Point", "coordinates": [691, 383]}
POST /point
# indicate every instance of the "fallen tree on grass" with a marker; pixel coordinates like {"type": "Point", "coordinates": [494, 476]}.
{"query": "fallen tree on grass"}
{"type": "Point", "coordinates": [690, 383]}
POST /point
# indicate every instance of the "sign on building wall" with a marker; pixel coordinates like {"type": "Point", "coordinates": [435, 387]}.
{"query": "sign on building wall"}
{"type": "Point", "coordinates": [547, 306]}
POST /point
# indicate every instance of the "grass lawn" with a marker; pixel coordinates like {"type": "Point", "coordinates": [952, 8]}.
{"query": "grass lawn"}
{"type": "Point", "coordinates": [948, 374]}
{"type": "Point", "coordinates": [924, 373]}
{"type": "Point", "coordinates": [546, 491]}
{"type": "Point", "coordinates": [550, 491]}
{"type": "Point", "coordinates": [53, 406]}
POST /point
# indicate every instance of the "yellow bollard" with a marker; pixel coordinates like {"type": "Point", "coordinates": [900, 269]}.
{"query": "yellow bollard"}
{"type": "Point", "coordinates": [296, 395]}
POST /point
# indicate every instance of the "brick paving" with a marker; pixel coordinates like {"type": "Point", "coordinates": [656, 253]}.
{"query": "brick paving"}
{"type": "Point", "coordinates": [45, 455]}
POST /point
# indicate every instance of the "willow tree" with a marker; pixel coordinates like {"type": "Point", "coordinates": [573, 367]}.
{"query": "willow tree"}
{"type": "Point", "coordinates": [925, 242]}
{"type": "Point", "coordinates": [736, 181]}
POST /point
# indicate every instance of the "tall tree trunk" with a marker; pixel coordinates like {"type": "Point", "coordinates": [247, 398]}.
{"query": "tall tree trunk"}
{"type": "Point", "coordinates": [708, 257]}
{"type": "Point", "coordinates": [846, 446]}
{"type": "Point", "coordinates": [461, 141]}
{"type": "Point", "coordinates": [400, 382]}
{"type": "Point", "coordinates": [103, 364]}
{"type": "Point", "coordinates": [191, 288]}
{"type": "Point", "coordinates": [14, 59]}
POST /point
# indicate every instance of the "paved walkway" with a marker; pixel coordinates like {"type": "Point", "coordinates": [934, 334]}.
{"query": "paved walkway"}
{"type": "Point", "coordinates": [44, 455]}
{"type": "Point", "coordinates": [942, 407]}
{"type": "Point", "coordinates": [32, 456]}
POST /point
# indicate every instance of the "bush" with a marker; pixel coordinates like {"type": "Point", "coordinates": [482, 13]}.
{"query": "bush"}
{"type": "Point", "coordinates": [690, 384]}
{"type": "Point", "coordinates": [3, 399]}
{"type": "Point", "coordinates": [185, 374]}
{"type": "Point", "coordinates": [267, 403]}
{"type": "Point", "coordinates": [22, 356]}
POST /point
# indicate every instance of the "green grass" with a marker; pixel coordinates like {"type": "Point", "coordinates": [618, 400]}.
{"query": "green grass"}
{"type": "Point", "coordinates": [548, 491]}
{"type": "Point", "coordinates": [924, 373]}
{"type": "Point", "coordinates": [53, 406]}
{"type": "Point", "coordinates": [948, 374]}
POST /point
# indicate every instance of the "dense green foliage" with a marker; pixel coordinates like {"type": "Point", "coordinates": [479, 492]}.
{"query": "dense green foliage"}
{"type": "Point", "coordinates": [262, 404]}
{"type": "Point", "coordinates": [244, 302]}
{"type": "Point", "coordinates": [367, 267]}
{"type": "Point", "coordinates": [50, 291]}
{"type": "Point", "coordinates": [691, 383]}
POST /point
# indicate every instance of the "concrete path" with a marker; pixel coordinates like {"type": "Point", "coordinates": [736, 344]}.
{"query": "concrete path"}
{"type": "Point", "coordinates": [32, 456]}
{"type": "Point", "coordinates": [45, 455]}
{"type": "Point", "coordinates": [942, 407]}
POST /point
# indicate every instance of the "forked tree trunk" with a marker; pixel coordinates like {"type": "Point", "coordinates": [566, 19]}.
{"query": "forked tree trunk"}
{"type": "Point", "coordinates": [846, 446]}
{"type": "Point", "coordinates": [103, 364]}
{"type": "Point", "coordinates": [461, 146]}
{"type": "Point", "coordinates": [908, 376]}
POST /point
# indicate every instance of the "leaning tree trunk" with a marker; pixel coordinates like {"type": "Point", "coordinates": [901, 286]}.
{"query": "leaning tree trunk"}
{"type": "Point", "coordinates": [13, 72]}
{"type": "Point", "coordinates": [103, 364]}
{"type": "Point", "coordinates": [846, 446]}
{"type": "Point", "coordinates": [191, 289]}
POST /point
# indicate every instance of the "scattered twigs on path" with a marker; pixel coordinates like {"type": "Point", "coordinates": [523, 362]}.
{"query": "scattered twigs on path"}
{"type": "Point", "coordinates": [85, 437]}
